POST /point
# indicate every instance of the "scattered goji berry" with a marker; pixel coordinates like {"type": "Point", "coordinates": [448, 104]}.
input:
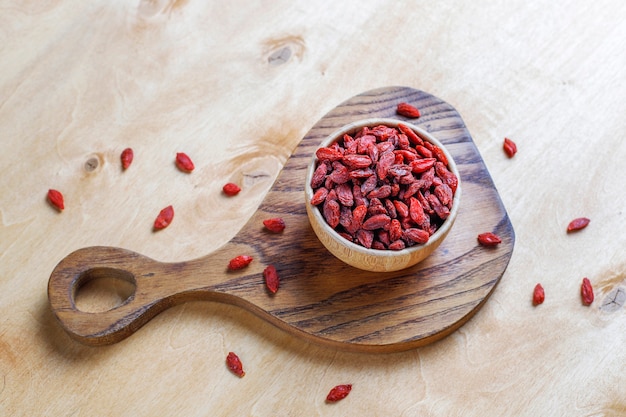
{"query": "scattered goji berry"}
{"type": "Point", "coordinates": [577, 224]}
{"type": "Point", "coordinates": [234, 364]}
{"type": "Point", "coordinates": [489, 239]}
{"type": "Point", "coordinates": [586, 292]}
{"type": "Point", "coordinates": [274, 225]}
{"type": "Point", "coordinates": [510, 148]}
{"type": "Point", "coordinates": [408, 110]}
{"type": "Point", "coordinates": [164, 218]}
{"type": "Point", "coordinates": [339, 392]}
{"type": "Point", "coordinates": [539, 295]}
{"type": "Point", "coordinates": [127, 158]}
{"type": "Point", "coordinates": [272, 281]}
{"type": "Point", "coordinates": [239, 262]}
{"type": "Point", "coordinates": [56, 199]}
{"type": "Point", "coordinates": [184, 162]}
{"type": "Point", "coordinates": [231, 189]}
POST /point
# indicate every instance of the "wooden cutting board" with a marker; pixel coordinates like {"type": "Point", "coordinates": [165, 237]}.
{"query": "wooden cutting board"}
{"type": "Point", "coordinates": [320, 298]}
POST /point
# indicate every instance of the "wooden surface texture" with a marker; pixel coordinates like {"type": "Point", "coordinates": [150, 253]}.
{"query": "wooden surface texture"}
{"type": "Point", "coordinates": [237, 86]}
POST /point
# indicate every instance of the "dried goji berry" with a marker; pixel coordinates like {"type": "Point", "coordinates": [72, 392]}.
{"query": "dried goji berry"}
{"type": "Point", "coordinates": [440, 155]}
{"type": "Point", "coordinates": [417, 235]}
{"type": "Point", "coordinates": [416, 211]}
{"type": "Point", "coordinates": [328, 154]}
{"type": "Point", "coordinates": [397, 245]}
{"type": "Point", "coordinates": [231, 189]}
{"type": "Point", "coordinates": [339, 174]}
{"type": "Point", "coordinates": [365, 237]}
{"type": "Point", "coordinates": [539, 295]}
{"type": "Point", "coordinates": [319, 175]}
{"type": "Point", "coordinates": [369, 184]}
{"type": "Point", "coordinates": [422, 165]}
{"type": "Point", "coordinates": [444, 194]}
{"type": "Point", "coordinates": [164, 218]}
{"type": "Point", "coordinates": [356, 161]}
{"type": "Point", "coordinates": [331, 211]}
{"type": "Point", "coordinates": [383, 191]}
{"type": "Point", "coordinates": [234, 364]}
{"type": "Point", "coordinates": [440, 210]}
{"type": "Point", "coordinates": [401, 208]}
{"type": "Point", "coordinates": [577, 224]}
{"type": "Point", "coordinates": [378, 221]}
{"type": "Point", "coordinates": [339, 392]}
{"type": "Point", "coordinates": [413, 138]}
{"type": "Point", "coordinates": [127, 158]}
{"type": "Point", "coordinates": [344, 195]}
{"type": "Point", "coordinates": [345, 217]}
{"type": "Point", "coordinates": [358, 216]}
{"type": "Point", "coordinates": [56, 199]}
{"type": "Point", "coordinates": [274, 225]}
{"type": "Point", "coordinates": [510, 148]}
{"type": "Point", "coordinates": [395, 230]}
{"type": "Point", "coordinates": [239, 262]}
{"type": "Point", "coordinates": [424, 151]}
{"type": "Point", "coordinates": [272, 280]}
{"type": "Point", "coordinates": [183, 162]}
{"type": "Point", "coordinates": [586, 292]}
{"type": "Point", "coordinates": [489, 239]}
{"type": "Point", "coordinates": [320, 196]}
{"type": "Point", "coordinates": [385, 161]}
{"type": "Point", "coordinates": [408, 110]}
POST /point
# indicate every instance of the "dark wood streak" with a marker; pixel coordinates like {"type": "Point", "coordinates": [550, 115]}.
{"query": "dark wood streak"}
{"type": "Point", "coordinates": [320, 298]}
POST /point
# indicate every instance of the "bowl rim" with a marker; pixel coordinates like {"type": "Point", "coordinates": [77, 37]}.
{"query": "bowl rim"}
{"type": "Point", "coordinates": [379, 253]}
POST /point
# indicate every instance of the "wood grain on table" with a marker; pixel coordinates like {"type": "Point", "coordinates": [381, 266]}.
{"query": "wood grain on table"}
{"type": "Point", "coordinates": [236, 86]}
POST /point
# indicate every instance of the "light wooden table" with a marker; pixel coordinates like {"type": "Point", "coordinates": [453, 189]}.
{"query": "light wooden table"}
{"type": "Point", "coordinates": [236, 85]}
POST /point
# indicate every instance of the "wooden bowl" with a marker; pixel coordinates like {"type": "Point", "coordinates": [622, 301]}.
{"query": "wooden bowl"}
{"type": "Point", "coordinates": [376, 259]}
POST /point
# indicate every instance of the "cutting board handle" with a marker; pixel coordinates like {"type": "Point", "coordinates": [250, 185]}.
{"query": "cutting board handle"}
{"type": "Point", "coordinates": [154, 291]}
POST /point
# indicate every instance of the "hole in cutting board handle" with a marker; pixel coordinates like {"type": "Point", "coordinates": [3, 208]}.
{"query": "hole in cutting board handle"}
{"type": "Point", "coordinates": [102, 289]}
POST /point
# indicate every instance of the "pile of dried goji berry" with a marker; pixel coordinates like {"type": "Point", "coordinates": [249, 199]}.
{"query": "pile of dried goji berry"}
{"type": "Point", "coordinates": [383, 187]}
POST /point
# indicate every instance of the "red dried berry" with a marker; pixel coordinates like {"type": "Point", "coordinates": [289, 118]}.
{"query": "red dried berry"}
{"type": "Point", "coordinates": [56, 199]}
{"type": "Point", "coordinates": [539, 295]}
{"type": "Point", "coordinates": [328, 154]}
{"type": "Point", "coordinates": [489, 239]}
{"type": "Point", "coordinates": [417, 235]}
{"type": "Point", "coordinates": [339, 392]}
{"type": "Point", "coordinates": [408, 110]}
{"type": "Point", "coordinates": [440, 155]}
{"type": "Point", "coordinates": [127, 158]}
{"type": "Point", "coordinates": [239, 262]}
{"type": "Point", "coordinates": [413, 138]}
{"type": "Point", "coordinates": [510, 148]}
{"type": "Point", "coordinates": [577, 224]}
{"type": "Point", "coordinates": [183, 162]}
{"type": "Point", "coordinates": [234, 364]}
{"type": "Point", "coordinates": [164, 218]}
{"type": "Point", "coordinates": [274, 225]}
{"type": "Point", "coordinates": [586, 292]}
{"type": "Point", "coordinates": [231, 189]}
{"type": "Point", "coordinates": [272, 281]}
